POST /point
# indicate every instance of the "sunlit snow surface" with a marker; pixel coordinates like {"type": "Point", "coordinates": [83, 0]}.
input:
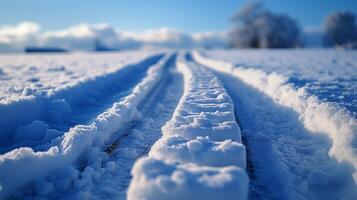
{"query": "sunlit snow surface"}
{"type": "Point", "coordinates": [73, 125]}
{"type": "Point", "coordinates": [23, 75]}
{"type": "Point", "coordinates": [59, 88]}
{"type": "Point", "coordinates": [284, 84]}
{"type": "Point", "coordinates": [330, 75]}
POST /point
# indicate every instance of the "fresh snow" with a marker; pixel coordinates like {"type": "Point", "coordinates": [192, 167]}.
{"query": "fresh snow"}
{"type": "Point", "coordinates": [207, 124]}
{"type": "Point", "coordinates": [23, 165]}
{"type": "Point", "coordinates": [27, 75]}
{"type": "Point", "coordinates": [310, 142]}
{"type": "Point", "coordinates": [65, 86]}
{"type": "Point", "coordinates": [329, 75]}
{"type": "Point", "coordinates": [107, 174]}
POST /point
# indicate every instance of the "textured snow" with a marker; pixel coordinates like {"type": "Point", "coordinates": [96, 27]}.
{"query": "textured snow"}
{"type": "Point", "coordinates": [182, 160]}
{"type": "Point", "coordinates": [23, 165]}
{"type": "Point", "coordinates": [301, 143]}
{"type": "Point", "coordinates": [200, 150]}
{"type": "Point", "coordinates": [156, 179]}
{"type": "Point", "coordinates": [113, 171]}
{"type": "Point", "coordinates": [329, 75]}
{"type": "Point", "coordinates": [64, 85]}
{"type": "Point", "coordinates": [213, 124]}
{"type": "Point", "coordinates": [26, 75]}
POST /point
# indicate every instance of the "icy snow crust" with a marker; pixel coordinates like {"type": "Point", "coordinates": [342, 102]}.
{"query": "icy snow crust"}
{"type": "Point", "coordinates": [23, 165]}
{"type": "Point", "coordinates": [200, 155]}
{"type": "Point", "coordinates": [301, 147]}
{"type": "Point", "coordinates": [65, 85]}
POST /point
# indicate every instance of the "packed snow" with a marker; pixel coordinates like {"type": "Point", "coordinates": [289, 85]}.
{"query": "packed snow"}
{"type": "Point", "coordinates": [15, 165]}
{"type": "Point", "coordinates": [201, 147]}
{"type": "Point", "coordinates": [57, 88]}
{"type": "Point", "coordinates": [157, 179]}
{"type": "Point", "coordinates": [162, 124]}
{"type": "Point", "coordinates": [285, 135]}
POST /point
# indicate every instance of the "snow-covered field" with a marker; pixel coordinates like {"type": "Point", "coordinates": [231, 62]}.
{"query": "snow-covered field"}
{"type": "Point", "coordinates": [330, 75]}
{"type": "Point", "coordinates": [210, 124]}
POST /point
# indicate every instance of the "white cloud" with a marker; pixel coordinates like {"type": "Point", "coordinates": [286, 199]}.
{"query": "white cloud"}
{"type": "Point", "coordinates": [21, 31]}
{"type": "Point", "coordinates": [84, 37]}
{"type": "Point", "coordinates": [211, 39]}
{"type": "Point", "coordinates": [164, 37]}
{"type": "Point", "coordinates": [15, 37]}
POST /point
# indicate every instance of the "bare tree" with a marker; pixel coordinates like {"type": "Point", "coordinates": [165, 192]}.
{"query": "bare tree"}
{"type": "Point", "coordinates": [256, 27]}
{"type": "Point", "coordinates": [340, 29]}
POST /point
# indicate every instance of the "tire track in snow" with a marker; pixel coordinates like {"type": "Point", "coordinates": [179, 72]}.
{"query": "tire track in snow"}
{"type": "Point", "coordinates": [94, 96]}
{"type": "Point", "coordinates": [131, 141]}
{"type": "Point", "coordinates": [32, 173]}
{"type": "Point", "coordinates": [256, 191]}
{"type": "Point", "coordinates": [200, 155]}
{"type": "Point", "coordinates": [289, 162]}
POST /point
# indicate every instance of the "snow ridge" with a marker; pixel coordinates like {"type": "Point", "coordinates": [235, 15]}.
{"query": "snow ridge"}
{"type": "Point", "coordinates": [317, 116]}
{"type": "Point", "coordinates": [56, 104]}
{"type": "Point", "coordinates": [201, 147]}
{"type": "Point", "coordinates": [23, 165]}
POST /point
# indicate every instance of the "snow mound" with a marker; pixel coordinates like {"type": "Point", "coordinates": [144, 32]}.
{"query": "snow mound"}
{"type": "Point", "coordinates": [201, 149]}
{"type": "Point", "coordinates": [205, 110]}
{"type": "Point", "coordinates": [23, 165]}
{"type": "Point", "coordinates": [156, 179]}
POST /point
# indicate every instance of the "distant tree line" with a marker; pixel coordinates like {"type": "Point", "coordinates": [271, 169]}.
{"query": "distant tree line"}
{"type": "Point", "coordinates": [257, 27]}
{"type": "Point", "coordinates": [340, 30]}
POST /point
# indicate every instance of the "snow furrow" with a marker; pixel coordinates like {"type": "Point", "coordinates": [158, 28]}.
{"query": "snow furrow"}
{"type": "Point", "coordinates": [62, 108]}
{"type": "Point", "coordinates": [300, 147]}
{"type": "Point", "coordinates": [317, 116]}
{"type": "Point", "coordinates": [23, 165]}
{"type": "Point", "coordinates": [200, 155]}
{"type": "Point", "coordinates": [113, 182]}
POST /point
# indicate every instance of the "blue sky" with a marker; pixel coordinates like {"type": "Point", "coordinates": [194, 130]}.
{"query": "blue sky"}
{"type": "Point", "coordinates": [138, 15]}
